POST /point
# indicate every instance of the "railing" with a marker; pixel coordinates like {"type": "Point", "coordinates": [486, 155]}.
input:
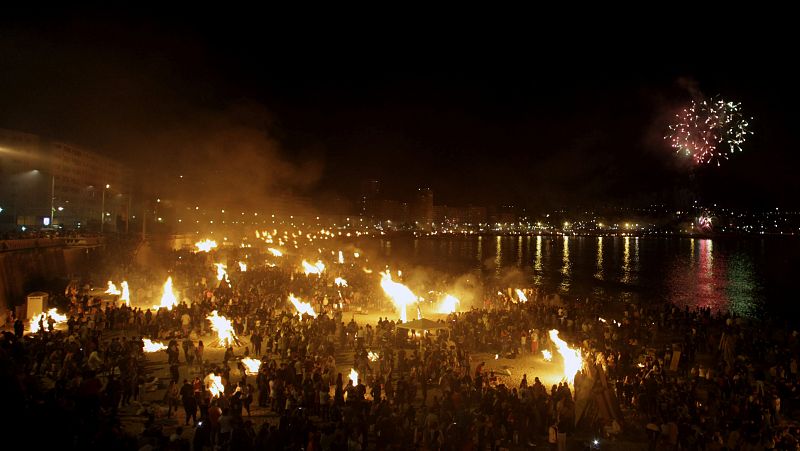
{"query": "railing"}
{"type": "Point", "coordinates": [38, 243]}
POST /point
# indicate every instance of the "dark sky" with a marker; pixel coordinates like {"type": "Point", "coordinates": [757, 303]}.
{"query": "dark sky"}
{"type": "Point", "coordinates": [482, 114]}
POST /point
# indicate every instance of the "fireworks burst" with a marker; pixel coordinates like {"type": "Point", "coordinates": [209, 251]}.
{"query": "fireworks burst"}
{"type": "Point", "coordinates": [705, 222]}
{"type": "Point", "coordinates": [709, 130]}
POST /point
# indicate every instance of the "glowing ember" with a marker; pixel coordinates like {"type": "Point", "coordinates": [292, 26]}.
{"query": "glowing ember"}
{"type": "Point", "coordinates": [243, 266]}
{"type": "Point", "coordinates": [252, 365]}
{"type": "Point", "coordinates": [400, 295]}
{"type": "Point", "coordinates": [316, 268]}
{"type": "Point", "coordinates": [126, 293]}
{"type": "Point", "coordinates": [153, 346]}
{"type": "Point", "coordinates": [168, 299]}
{"type": "Point", "coordinates": [205, 245]}
{"type": "Point", "coordinates": [373, 356]}
{"type": "Point", "coordinates": [547, 355]}
{"type": "Point", "coordinates": [112, 289]}
{"type": "Point", "coordinates": [367, 271]}
{"type": "Point", "coordinates": [356, 254]}
{"type": "Point", "coordinates": [521, 295]}
{"type": "Point", "coordinates": [221, 273]}
{"type": "Point", "coordinates": [449, 304]}
{"type": "Point", "coordinates": [340, 282]}
{"type": "Point", "coordinates": [223, 327]}
{"type": "Point", "coordinates": [354, 376]}
{"type": "Point", "coordinates": [214, 385]}
{"type": "Point", "coordinates": [572, 357]}
{"type": "Point", "coordinates": [341, 258]}
{"type": "Point", "coordinates": [302, 307]}
{"type": "Point", "coordinates": [275, 252]}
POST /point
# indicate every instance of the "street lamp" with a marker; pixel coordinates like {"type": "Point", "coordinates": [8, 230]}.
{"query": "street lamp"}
{"type": "Point", "coordinates": [103, 208]}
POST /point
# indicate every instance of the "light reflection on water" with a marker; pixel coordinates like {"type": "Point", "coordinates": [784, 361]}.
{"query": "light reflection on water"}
{"type": "Point", "coordinates": [735, 275]}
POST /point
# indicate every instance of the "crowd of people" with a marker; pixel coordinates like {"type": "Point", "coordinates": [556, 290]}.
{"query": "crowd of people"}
{"type": "Point", "coordinates": [678, 379]}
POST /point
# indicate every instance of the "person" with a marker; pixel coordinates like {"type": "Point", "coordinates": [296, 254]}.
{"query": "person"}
{"type": "Point", "coordinates": [174, 370]}
{"type": "Point", "coordinates": [247, 399]}
{"type": "Point", "coordinates": [187, 346]}
{"type": "Point", "coordinates": [189, 402]}
{"type": "Point", "coordinates": [171, 397]}
{"type": "Point", "coordinates": [256, 340]}
{"type": "Point", "coordinates": [19, 328]}
{"type": "Point", "coordinates": [199, 353]}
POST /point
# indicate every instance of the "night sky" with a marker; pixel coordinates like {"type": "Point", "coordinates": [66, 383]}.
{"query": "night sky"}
{"type": "Point", "coordinates": [524, 115]}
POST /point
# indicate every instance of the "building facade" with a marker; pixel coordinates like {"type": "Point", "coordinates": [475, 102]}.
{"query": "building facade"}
{"type": "Point", "coordinates": [51, 183]}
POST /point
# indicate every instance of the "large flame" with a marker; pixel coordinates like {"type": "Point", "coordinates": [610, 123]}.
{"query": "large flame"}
{"type": "Point", "coordinates": [243, 266]}
{"type": "Point", "coordinates": [316, 268]}
{"type": "Point", "coordinates": [572, 357]}
{"type": "Point", "coordinates": [302, 307]}
{"type": "Point", "coordinates": [221, 273]}
{"type": "Point", "coordinates": [205, 245]}
{"type": "Point", "coordinates": [354, 376]}
{"type": "Point", "coordinates": [400, 295]}
{"type": "Point", "coordinates": [112, 289]}
{"type": "Point", "coordinates": [449, 304]}
{"type": "Point", "coordinates": [252, 365]}
{"type": "Point", "coordinates": [33, 326]}
{"type": "Point", "coordinates": [521, 296]}
{"type": "Point", "coordinates": [153, 346]}
{"type": "Point", "coordinates": [275, 252]}
{"type": "Point", "coordinates": [59, 318]}
{"type": "Point", "coordinates": [126, 293]}
{"type": "Point", "coordinates": [223, 327]}
{"type": "Point", "coordinates": [168, 299]}
{"type": "Point", "coordinates": [214, 384]}
{"type": "Point", "coordinates": [340, 282]}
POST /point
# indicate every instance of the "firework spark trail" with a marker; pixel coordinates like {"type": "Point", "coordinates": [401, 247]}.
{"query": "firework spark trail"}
{"type": "Point", "coordinates": [709, 130]}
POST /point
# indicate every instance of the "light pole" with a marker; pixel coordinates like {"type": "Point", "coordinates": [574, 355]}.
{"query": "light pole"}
{"type": "Point", "coordinates": [52, 201]}
{"type": "Point", "coordinates": [103, 208]}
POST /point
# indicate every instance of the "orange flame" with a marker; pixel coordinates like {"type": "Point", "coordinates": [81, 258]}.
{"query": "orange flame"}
{"type": "Point", "coordinates": [400, 294]}
{"type": "Point", "coordinates": [112, 289]}
{"type": "Point", "coordinates": [214, 385]}
{"type": "Point", "coordinates": [449, 304]}
{"type": "Point", "coordinates": [126, 293]}
{"type": "Point", "coordinates": [205, 245]}
{"type": "Point", "coordinates": [168, 299]}
{"type": "Point", "coordinates": [223, 327]}
{"type": "Point", "coordinates": [252, 365]}
{"type": "Point", "coordinates": [302, 307]}
{"type": "Point", "coordinates": [572, 357]}
{"type": "Point", "coordinates": [153, 346]}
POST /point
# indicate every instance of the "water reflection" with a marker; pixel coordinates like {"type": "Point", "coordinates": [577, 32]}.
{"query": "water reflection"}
{"type": "Point", "coordinates": [537, 262]}
{"type": "Point", "coordinates": [599, 261]}
{"type": "Point", "coordinates": [626, 260]}
{"type": "Point", "coordinates": [688, 272]}
{"type": "Point", "coordinates": [498, 259]}
{"type": "Point", "coordinates": [706, 283]}
{"type": "Point", "coordinates": [742, 286]}
{"type": "Point", "coordinates": [565, 268]}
